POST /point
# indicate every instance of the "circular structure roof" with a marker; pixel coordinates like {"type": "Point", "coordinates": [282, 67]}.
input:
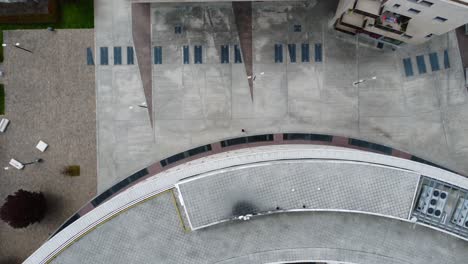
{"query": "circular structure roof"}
{"type": "Point", "coordinates": [278, 203]}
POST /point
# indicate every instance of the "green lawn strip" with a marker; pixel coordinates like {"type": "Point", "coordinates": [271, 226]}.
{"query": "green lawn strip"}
{"type": "Point", "coordinates": [2, 99]}
{"type": "Point", "coordinates": [71, 15]}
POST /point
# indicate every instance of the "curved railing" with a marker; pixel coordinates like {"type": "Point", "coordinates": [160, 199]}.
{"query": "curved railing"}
{"type": "Point", "coordinates": [237, 143]}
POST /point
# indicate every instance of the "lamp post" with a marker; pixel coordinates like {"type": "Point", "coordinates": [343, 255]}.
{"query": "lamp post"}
{"type": "Point", "coordinates": [18, 165]}
{"type": "Point", "coordinates": [364, 80]}
{"type": "Point", "coordinates": [142, 105]}
{"type": "Point", "coordinates": [32, 162]}
{"type": "Point", "coordinates": [17, 45]}
{"type": "Point", "coordinates": [254, 76]}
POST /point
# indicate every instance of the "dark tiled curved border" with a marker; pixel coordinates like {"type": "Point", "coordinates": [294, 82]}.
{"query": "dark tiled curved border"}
{"type": "Point", "coordinates": [239, 143]}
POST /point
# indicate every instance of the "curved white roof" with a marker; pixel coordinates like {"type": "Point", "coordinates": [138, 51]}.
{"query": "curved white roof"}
{"type": "Point", "coordinates": [145, 221]}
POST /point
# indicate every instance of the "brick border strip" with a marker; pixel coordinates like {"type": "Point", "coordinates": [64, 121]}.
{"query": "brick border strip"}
{"type": "Point", "coordinates": [240, 143]}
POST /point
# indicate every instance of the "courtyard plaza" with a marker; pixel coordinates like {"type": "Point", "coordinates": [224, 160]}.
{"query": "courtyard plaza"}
{"type": "Point", "coordinates": [194, 104]}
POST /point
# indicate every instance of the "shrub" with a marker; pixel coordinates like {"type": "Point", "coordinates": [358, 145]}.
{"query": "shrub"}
{"type": "Point", "coordinates": [23, 208]}
{"type": "Point", "coordinates": [72, 170]}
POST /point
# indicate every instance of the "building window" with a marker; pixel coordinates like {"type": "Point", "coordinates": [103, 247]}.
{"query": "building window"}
{"type": "Point", "coordinates": [414, 11]}
{"type": "Point", "coordinates": [428, 36]}
{"type": "Point", "coordinates": [426, 3]}
{"type": "Point", "coordinates": [413, 1]}
{"type": "Point", "coordinates": [407, 36]}
{"type": "Point", "coordinates": [297, 28]}
{"type": "Point", "coordinates": [178, 30]}
{"type": "Point", "coordinates": [440, 19]}
{"type": "Point", "coordinates": [396, 6]}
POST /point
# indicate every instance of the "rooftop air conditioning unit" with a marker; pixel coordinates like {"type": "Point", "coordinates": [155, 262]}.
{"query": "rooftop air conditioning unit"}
{"type": "Point", "coordinates": [460, 216]}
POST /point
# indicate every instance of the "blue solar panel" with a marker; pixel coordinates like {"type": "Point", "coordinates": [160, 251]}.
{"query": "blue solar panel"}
{"type": "Point", "coordinates": [104, 56]}
{"type": "Point", "coordinates": [434, 60]}
{"type": "Point", "coordinates": [318, 52]}
{"type": "Point", "coordinates": [186, 54]}
{"type": "Point", "coordinates": [408, 67]}
{"type": "Point", "coordinates": [305, 52]}
{"type": "Point", "coordinates": [130, 56]}
{"type": "Point", "coordinates": [237, 54]}
{"type": "Point", "coordinates": [278, 53]}
{"type": "Point", "coordinates": [292, 52]}
{"type": "Point", "coordinates": [198, 55]}
{"type": "Point", "coordinates": [225, 54]}
{"type": "Point", "coordinates": [158, 55]}
{"type": "Point", "coordinates": [446, 60]}
{"type": "Point", "coordinates": [89, 56]}
{"type": "Point", "coordinates": [421, 64]}
{"type": "Point", "coordinates": [117, 55]}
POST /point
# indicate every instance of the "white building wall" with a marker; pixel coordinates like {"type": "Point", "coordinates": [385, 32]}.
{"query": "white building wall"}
{"type": "Point", "coordinates": [343, 6]}
{"type": "Point", "coordinates": [423, 23]}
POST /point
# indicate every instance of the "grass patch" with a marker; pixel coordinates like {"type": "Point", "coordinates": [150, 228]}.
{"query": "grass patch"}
{"type": "Point", "coordinates": [72, 14]}
{"type": "Point", "coordinates": [2, 99]}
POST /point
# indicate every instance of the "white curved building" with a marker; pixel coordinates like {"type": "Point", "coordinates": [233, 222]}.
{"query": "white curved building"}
{"type": "Point", "coordinates": [277, 203]}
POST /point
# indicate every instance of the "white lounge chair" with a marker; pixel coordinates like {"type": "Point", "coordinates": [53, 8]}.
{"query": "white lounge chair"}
{"type": "Point", "coordinates": [3, 124]}
{"type": "Point", "coordinates": [16, 164]}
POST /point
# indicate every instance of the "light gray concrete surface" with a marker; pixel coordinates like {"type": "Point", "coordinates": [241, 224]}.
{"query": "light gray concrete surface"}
{"type": "Point", "coordinates": [199, 104]}
{"type": "Point", "coordinates": [124, 134]}
{"type": "Point", "coordinates": [151, 232]}
{"type": "Point", "coordinates": [212, 197]}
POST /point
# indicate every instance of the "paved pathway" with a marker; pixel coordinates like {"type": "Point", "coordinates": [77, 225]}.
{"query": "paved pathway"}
{"type": "Point", "coordinates": [152, 232]}
{"type": "Point", "coordinates": [196, 104]}
{"type": "Point", "coordinates": [50, 96]}
{"type": "Point", "coordinates": [124, 135]}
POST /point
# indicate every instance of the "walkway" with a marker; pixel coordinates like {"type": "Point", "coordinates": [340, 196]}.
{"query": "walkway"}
{"type": "Point", "coordinates": [196, 104]}
{"type": "Point", "coordinates": [454, 185]}
{"type": "Point", "coordinates": [50, 96]}
{"type": "Point", "coordinates": [151, 232]}
{"type": "Point", "coordinates": [124, 134]}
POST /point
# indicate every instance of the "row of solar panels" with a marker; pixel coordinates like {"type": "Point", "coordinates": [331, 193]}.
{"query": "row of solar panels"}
{"type": "Point", "coordinates": [233, 142]}
{"type": "Point", "coordinates": [104, 56]}
{"type": "Point", "coordinates": [305, 52]}
{"type": "Point", "coordinates": [198, 54]}
{"type": "Point", "coordinates": [421, 63]}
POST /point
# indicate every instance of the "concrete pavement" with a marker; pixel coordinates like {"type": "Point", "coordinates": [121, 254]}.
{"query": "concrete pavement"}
{"type": "Point", "coordinates": [196, 104]}
{"type": "Point", "coordinates": [152, 231]}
